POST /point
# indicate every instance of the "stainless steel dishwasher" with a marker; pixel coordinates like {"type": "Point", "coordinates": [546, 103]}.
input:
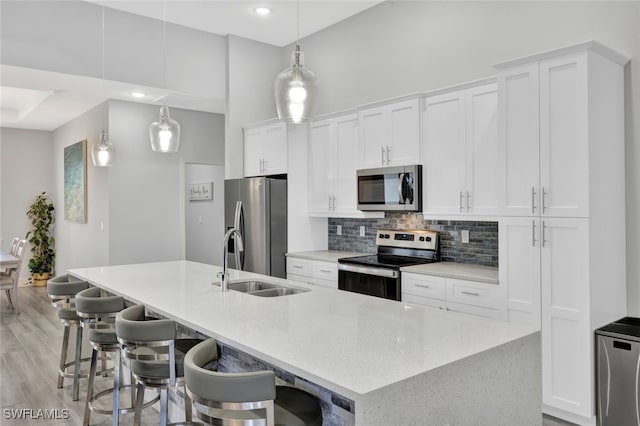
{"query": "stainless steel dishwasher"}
{"type": "Point", "coordinates": [618, 368]}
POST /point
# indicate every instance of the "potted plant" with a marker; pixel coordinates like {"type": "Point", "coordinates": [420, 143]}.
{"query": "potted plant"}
{"type": "Point", "coordinates": [41, 214]}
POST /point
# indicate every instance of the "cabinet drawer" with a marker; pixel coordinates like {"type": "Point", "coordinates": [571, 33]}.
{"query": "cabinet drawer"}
{"type": "Point", "coordinates": [300, 278]}
{"type": "Point", "coordinates": [423, 285]}
{"type": "Point", "coordinates": [473, 293]}
{"type": "Point", "coordinates": [325, 283]}
{"type": "Point", "coordinates": [325, 271]}
{"type": "Point", "coordinates": [423, 301]}
{"type": "Point", "coordinates": [475, 310]}
{"type": "Point", "coordinates": [300, 266]}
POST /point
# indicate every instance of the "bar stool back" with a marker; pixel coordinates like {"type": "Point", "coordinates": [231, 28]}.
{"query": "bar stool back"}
{"type": "Point", "coordinates": [62, 291]}
{"type": "Point", "coordinates": [244, 398]}
{"type": "Point", "coordinates": [156, 356]}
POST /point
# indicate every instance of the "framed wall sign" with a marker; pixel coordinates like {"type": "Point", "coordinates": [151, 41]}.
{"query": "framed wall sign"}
{"type": "Point", "coordinates": [201, 191]}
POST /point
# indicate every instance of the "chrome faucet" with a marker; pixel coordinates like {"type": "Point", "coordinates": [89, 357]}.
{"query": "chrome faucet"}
{"type": "Point", "coordinates": [224, 275]}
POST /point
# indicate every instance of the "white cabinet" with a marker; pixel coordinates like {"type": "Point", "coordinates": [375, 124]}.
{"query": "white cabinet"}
{"type": "Point", "coordinates": [389, 134]}
{"type": "Point", "coordinates": [561, 121]}
{"type": "Point", "coordinates": [265, 149]}
{"type": "Point", "coordinates": [333, 157]}
{"type": "Point", "coordinates": [314, 272]}
{"type": "Point", "coordinates": [460, 148]}
{"type": "Point", "coordinates": [469, 297]}
{"type": "Point", "coordinates": [544, 124]}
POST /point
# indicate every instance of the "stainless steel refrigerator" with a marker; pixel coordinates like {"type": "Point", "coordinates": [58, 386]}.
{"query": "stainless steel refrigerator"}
{"type": "Point", "coordinates": [258, 208]}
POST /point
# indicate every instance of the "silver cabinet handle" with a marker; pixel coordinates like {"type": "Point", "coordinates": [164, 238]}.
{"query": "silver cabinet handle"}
{"type": "Point", "coordinates": [382, 154]}
{"type": "Point", "coordinates": [468, 204]}
{"type": "Point", "coordinates": [326, 271]}
{"type": "Point", "coordinates": [388, 161]}
{"type": "Point", "coordinates": [544, 234]}
{"type": "Point", "coordinates": [533, 233]}
{"type": "Point", "coordinates": [461, 202]}
{"type": "Point", "coordinates": [470, 293]}
{"type": "Point", "coordinates": [329, 202]}
{"type": "Point", "coordinates": [533, 199]}
{"type": "Point", "coordinates": [296, 266]}
{"type": "Point", "coordinates": [422, 285]}
{"type": "Point", "coordinates": [544, 204]}
{"type": "Point", "coordinates": [334, 203]}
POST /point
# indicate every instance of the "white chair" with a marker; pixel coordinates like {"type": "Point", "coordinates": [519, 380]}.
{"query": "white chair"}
{"type": "Point", "coordinates": [12, 251]}
{"type": "Point", "coordinates": [9, 282]}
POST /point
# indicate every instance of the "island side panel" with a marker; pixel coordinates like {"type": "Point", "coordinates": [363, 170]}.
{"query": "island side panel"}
{"type": "Point", "coordinates": [501, 386]}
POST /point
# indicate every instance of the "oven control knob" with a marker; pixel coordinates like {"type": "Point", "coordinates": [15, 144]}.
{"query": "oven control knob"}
{"type": "Point", "coordinates": [428, 238]}
{"type": "Point", "coordinates": [381, 236]}
{"type": "Point", "coordinates": [421, 238]}
{"type": "Point", "coordinates": [386, 236]}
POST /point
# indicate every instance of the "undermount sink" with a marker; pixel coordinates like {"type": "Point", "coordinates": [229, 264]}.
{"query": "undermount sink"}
{"type": "Point", "coordinates": [264, 289]}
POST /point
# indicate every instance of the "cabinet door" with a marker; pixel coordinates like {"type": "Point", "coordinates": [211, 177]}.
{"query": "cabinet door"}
{"type": "Point", "coordinates": [567, 339]}
{"type": "Point", "coordinates": [253, 151]}
{"type": "Point", "coordinates": [275, 149]}
{"type": "Point", "coordinates": [444, 159]}
{"type": "Point", "coordinates": [345, 163]}
{"type": "Point", "coordinates": [519, 140]}
{"type": "Point", "coordinates": [564, 145]}
{"type": "Point", "coordinates": [519, 251]}
{"type": "Point", "coordinates": [372, 139]}
{"type": "Point", "coordinates": [320, 163]}
{"type": "Point", "coordinates": [483, 176]}
{"type": "Point", "coordinates": [403, 147]}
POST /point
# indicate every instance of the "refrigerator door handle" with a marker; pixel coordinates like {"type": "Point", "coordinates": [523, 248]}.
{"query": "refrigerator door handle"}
{"type": "Point", "coordinates": [238, 223]}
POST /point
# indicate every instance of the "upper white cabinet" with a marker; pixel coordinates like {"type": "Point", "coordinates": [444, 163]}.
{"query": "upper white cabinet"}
{"type": "Point", "coordinates": [544, 122]}
{"type": "Point", "coordinates": [333, 157]}
{"type": "Point", "coordinates": [265, 149]}
{"type": "Point", "coordinates": [561, 121]}
{"type": "Point", "coordinates": [389, 134]}
{"type": "Point", "coordinates": [459, 152]}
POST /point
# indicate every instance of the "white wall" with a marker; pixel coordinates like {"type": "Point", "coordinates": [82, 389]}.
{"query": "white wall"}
{"type": "Point", "coordinates": [66, 37]}
{"type": "Point", "coordinates": [402, 47]}
{"type": "Point", "coordinates": [251, 71]}
{"type": "Point", "coordinates": [26, 170]}
{"type": "Point", "coordinates": [146, 188]}
{"type": "Point", "coordinates": [204, 219]}
{"type": "Point", "coordinates": [81, 244]}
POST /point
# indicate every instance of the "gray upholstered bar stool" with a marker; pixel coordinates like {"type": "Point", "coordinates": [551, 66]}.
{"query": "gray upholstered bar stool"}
{"type": "Point", "coordinates": [62, 291]}
{"type": "Point", "coordinates": [156, 356]}
{"type": "Point", "coordinates": [244, 398]}
{"type": "Point", "coordinates": [98, 315]}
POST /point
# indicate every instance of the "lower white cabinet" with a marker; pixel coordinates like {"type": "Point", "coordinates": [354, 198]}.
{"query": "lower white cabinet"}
{"type": "Point", "coordinates": [469, 297]}
{"type": "Point", "coordinates": [314, 272]}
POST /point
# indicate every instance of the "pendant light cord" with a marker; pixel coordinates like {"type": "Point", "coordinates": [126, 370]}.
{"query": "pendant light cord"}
{"type": "Point", "coordinates": [297, 21]}
{"type": "Point", "coordinates": [164, 49]}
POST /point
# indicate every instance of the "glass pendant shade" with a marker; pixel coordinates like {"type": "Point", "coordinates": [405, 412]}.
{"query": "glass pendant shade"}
{"type": "Point", "coordinates": [296, 90]}
{"type": "Point", "coordinates": [165, 133]}
{"type": "Point", "coordinates": [102, 153]}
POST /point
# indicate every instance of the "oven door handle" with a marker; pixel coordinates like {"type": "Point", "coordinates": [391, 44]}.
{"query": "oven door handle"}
{"type": "Point", "coordinates": [379, 272]}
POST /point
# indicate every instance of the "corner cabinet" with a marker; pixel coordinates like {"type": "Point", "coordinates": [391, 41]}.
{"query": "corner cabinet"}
{"type": "Point", "coordinates": [562, 233]}
{"type": "Point", "coordinates": [333, 156]}
{"type": "Point", "coordinates": [389, 134]}
{"type": "Point", "coordinates": [265, 149]}
{"type": "Point", "coordinates": [459, 150]}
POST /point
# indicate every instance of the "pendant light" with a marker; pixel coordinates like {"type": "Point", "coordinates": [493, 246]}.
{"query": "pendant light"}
{"type": "Point", "coordinates": [102, 152]}
{"type": "Point", "coordinates": [296, 87]}
{"type": "Point", "coordinates": [165, 133]}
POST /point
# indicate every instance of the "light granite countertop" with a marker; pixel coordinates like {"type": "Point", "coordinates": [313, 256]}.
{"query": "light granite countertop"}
{"type": "Point", "coordinates": [334, 338]}
{"type": "Point", "coordinates": [462, 271]}
{"type": "Point", "coordinates": [324, 255]}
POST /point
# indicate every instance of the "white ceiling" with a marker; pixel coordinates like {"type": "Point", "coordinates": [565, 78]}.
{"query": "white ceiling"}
{"type": "Point", "coordinates": [42, 100]}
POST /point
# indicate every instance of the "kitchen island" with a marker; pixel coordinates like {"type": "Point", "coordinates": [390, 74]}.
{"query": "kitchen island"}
{"type": "Point", "coordinates": [399, 364]}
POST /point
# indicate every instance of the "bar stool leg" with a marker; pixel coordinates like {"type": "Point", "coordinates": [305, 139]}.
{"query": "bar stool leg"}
{"type": "Point", "coordinates": [92, 373]}
{"type": "Point", "coordinates": [164, 406]}
{"type": "Point", "coordinates": [139, 403]}
{"type": "Point", "coordinates": [76, 369]}
{"type": "Point", "coordinates": [63, 355]}
{"type": "Point", "coordinates": [116, 387]}
{"type": "Point", "coordinates": [187, 406]}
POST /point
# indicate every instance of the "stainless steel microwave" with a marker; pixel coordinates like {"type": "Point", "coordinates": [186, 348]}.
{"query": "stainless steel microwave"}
{"type": "Point", "coordinates": [390, 189]}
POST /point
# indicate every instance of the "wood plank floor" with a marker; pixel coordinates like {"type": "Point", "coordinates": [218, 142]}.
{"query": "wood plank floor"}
{"type": "Point", "coordinates": [29, 354]}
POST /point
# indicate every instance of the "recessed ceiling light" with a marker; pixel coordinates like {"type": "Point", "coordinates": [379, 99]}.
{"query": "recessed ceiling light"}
{"type": "Point", "coordinates": [261, 10]}
{"type": "Point", "coordinates": [138, 94]}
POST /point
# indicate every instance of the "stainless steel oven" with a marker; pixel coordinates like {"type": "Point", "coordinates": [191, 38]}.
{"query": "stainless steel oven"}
{"type": "Point", "coordinates": [390, 189]}
{"type": "Point", "coordinates": [379, 274]}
